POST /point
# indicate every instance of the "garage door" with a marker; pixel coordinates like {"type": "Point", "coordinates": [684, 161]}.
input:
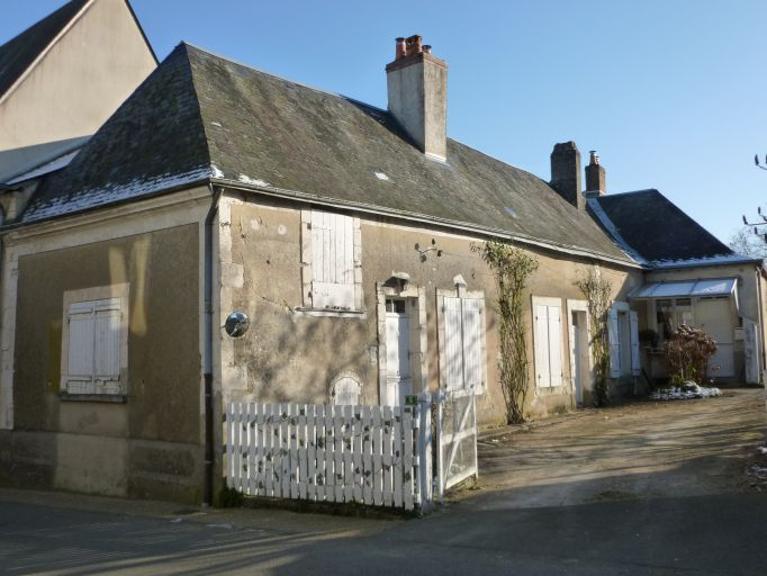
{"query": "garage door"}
{"type": "Point", "coordinates": [715, 316]}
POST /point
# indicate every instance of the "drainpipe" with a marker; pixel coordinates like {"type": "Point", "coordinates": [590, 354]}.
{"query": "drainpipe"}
{"type": "Point", "coordinates": [208, 346]}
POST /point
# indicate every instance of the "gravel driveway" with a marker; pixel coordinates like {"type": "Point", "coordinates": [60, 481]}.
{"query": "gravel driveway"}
{"type": "Point", "coordinates": [637, 451]}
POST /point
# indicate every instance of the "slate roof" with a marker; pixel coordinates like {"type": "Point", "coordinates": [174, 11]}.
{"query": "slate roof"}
{"type": "Point", "coordinates": [657, 232]}
{"type": "Point", "coordinates": [199, 117]}
{"type": "Point", "coordinates": [18, 54]}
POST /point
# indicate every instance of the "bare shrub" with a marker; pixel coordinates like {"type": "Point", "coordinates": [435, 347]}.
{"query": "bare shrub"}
{"type": "Point", "coordinates": [687, 354]}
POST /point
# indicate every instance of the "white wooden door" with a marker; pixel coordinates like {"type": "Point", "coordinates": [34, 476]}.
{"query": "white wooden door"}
{"type": "Point", "coordinates": [715, 317]}
{"type": "Point", "coordinates": [398, 382]}
{"type": "Point", "coordinates": [577, 348]}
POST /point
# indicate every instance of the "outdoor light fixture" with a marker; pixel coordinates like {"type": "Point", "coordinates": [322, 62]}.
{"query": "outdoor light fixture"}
{"type": "Point", "coordinates": [237, 323]}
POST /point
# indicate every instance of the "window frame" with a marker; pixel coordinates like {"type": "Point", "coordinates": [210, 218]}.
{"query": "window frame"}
{"type": "Point", "coordinates": [94, 295]}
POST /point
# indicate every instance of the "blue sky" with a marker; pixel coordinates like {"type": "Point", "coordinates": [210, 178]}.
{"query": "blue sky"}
{"type": "Point", "coordinates": [673, 94]}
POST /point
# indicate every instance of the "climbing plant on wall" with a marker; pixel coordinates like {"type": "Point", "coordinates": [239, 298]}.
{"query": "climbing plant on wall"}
{"type": "Point", "coordinates": [597, 291]}
{"type": "Point", "coordinates": [512, 267]}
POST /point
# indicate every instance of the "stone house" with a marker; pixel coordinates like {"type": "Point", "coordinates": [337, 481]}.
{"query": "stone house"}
{"type": "Point", "coordinates": [347, 236]}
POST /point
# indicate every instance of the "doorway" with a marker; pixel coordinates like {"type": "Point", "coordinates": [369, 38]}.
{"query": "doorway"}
{"type": "Point", "coordinates": [579, 350]}
{"type": "Point", "coordinates": [398, 381]}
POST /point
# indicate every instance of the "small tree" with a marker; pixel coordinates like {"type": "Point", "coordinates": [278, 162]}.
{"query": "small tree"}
{"type": "Point", "coordinates": [687, 354]}
{"type": "Point", "coordinates": [512, 267]}
{"type": "Point", "coordinates": [597, 291]}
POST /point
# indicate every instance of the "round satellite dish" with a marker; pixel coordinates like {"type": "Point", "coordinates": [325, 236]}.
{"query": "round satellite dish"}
{"type": "Point", "coordinates": [237, 323]}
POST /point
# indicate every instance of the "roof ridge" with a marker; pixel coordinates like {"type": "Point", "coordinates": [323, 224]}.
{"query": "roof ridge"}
{"type": "Point", "coordinates": [278, 77]}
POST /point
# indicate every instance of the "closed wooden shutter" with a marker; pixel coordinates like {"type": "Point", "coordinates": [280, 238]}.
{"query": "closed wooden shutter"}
{"type": "Point", "coordinates": [107, 345]}
{"type": "Point", "coordinates": [555, 346]}
{"type": "Point", "coordinates": [80, 353]}
{"type": "Point", "coordinates": [471, 314]}
{"type": "Point", "coordinates": [541, 335]}
{"type": "Point", "coordinates": [636, 367]}
{"type": "Point", "coordinates": [454, 373]}
{"type": "Point", "coordinates": [613, 336]}
{"type": "Point", "coordinates": [332, 260]}
{"type": "Point", "coordinates": [94, 347]}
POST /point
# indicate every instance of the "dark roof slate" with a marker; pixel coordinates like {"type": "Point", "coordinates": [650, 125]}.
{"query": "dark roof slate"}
{"type": "Point", "coordinates": [198, 110]}
{"type": "Point", "coordinates": [18, 54]}
{"type": "Point", "coordinates": [655, 228]}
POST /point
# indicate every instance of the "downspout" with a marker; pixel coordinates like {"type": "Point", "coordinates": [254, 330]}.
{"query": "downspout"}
{"type": "Point", "coordinates": [209, 336]}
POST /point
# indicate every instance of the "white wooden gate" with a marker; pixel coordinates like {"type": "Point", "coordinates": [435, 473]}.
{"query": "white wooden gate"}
{"type": "Point", "coordinates": [374, 455]}
{"type": "Point", "coordinates": [456, 439]}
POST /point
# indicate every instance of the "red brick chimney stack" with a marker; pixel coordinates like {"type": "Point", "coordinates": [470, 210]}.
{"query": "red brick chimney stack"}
{"type": "Point", "coordinates": [595, 176]}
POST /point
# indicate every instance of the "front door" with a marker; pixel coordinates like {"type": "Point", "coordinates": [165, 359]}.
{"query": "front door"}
{"type": "Point", "coordinates": [398, 382]}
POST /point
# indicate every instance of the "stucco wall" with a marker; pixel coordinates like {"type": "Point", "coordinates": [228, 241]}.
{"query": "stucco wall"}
{"type": "Point", "coordinates": [82, 80]}
{"type": "Point", "coordinates": [148, 447]}
{"type": "Point", "coordinates": [289, 355]}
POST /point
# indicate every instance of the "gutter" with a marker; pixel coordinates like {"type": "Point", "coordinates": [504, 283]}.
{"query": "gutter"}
{"type": "Point", "coordinates": [209, 336]}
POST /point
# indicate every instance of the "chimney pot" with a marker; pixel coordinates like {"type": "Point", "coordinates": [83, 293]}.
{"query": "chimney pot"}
{"type": "Point", "coordinates": [414, 45]}
{"type": "Point", "coordinates": [427, 49]}
{"type": "Point", "coordinates": [401, 48]}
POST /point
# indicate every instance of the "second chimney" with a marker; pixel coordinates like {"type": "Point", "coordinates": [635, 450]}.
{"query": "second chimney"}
{"type": "Point", "coordinates": [417, 83]}
{"type": "Point", "coordinates": [595, 176]}
{"type": "Point", "coordinates": [566, 173]}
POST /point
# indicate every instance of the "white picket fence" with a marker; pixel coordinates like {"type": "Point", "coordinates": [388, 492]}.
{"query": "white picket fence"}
{"type": "Point", "coordinates": [373, 455]}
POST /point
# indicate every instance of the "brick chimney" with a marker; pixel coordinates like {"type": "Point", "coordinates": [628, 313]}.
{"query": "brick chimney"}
{"type": "Point", "coordinates": [417, 83]}
{"type": "Point", "coordinates": [595, 176]}
{"type": "Point", "coordinates": [566, 173]}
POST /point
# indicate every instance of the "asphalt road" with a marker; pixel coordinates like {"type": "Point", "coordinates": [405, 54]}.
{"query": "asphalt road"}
{"type": "Point", "coordinates": [724, 534]}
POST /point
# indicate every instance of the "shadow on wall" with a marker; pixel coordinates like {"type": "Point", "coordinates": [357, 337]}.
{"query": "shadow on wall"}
{"type": "Point", "coordinates": [288, 357]}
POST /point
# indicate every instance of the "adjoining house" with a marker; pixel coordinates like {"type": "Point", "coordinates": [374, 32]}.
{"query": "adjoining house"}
{"type": "Point", "coordinates": [691, 278]}
{"type": "Point", "coordinates": [344, 232]}
{"type": "Point", "coordinates": [60, 80]}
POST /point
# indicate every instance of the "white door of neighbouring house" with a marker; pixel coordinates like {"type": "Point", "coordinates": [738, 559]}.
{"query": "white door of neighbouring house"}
{"type": "Point", "coordinates": [715, 316]}
{"type": "Point", "coordinates": [398, 382]}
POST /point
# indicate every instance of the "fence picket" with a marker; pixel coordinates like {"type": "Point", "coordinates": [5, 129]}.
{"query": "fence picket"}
{"type": "Point", "coordinates": [229, 445]}
{"type": "Point", "coordinates": [285, 451]}
{"type": "Point", "coordinates": [388, 420]}
{"type": "Point", "coordinates": [348, 453]}
{"type": "Point", "coordinates": [367, 456]}
{"type": "Point", "coordinates": [311, 453]}
{"type": "Point", "coordinates": [319, 473]}
{"type": "Point", "coordinates": [294, 461]}
{"type": "Point", "coordinates": [357, 432]}
{"type": "Point", "coordinates": [330, 448]}
{"type": "Point", "coordinates": [407, 458]}
{"type": "Point", "coordinates": [338, 460]}
{"type": "Point", "coordinates": [397, 455]}
{"type": "Point", "coordinates": [378, 458]}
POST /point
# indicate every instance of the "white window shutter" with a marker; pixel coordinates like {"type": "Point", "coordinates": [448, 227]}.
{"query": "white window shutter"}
{"type": "Point", "coordinates": [80, 355]}
{"type": "Point", "coordinates": [636, 367]}
{"type": "Point", "coordinates": [541, 344]}
{"type": "Point", "coordinates": [613, 336]}
{"type": "Point", "coordinates": [332, 260]}
{"type": "Point", "coordinates": [453, 343]}
{"type": "Point", "coordinates": [555, 346]}
{"type": "Point", "coordinates": [472, 342]}
{"type": "Point", "coordinates": [107, 346]}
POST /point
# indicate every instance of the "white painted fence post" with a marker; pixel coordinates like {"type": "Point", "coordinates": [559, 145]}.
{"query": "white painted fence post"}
{"type": "Point", "coordinates": [425, 454]}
